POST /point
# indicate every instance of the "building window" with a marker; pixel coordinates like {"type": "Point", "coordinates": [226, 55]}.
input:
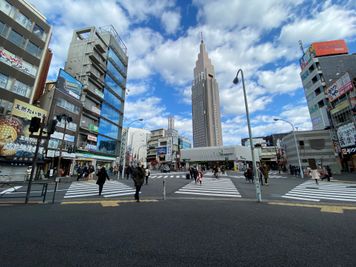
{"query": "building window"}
{"type": "Point", "coordinates": [106, 145]}
{"type": "Point", "coordinates": [317, 91]}
{"type": "Point", "coordinates": [110, 113]}
{"type": "Point", "coordinates": [3, 80]}
{"type": "Point", "coordinates": [116, 73]}
{"type": "Point", "coordinates": [23, 20]}
{"type": "Point", "coordinates": [37, 30]}
{"type": "Point", "coordinates": [33, 49]}
{"type": "Point", "coordinates": [16, 38]}
{"type": "Point", "coordinates": [3, 29]}
{"type": "Point", "coordinates": [111, 99]}
{"type": "Point", "coordinates": [114, 86]}
{"type": "Point", "coordinates": [68, 106]}
{"type": "Point", "coordinates": [5, 7]}
{"type": "Point", "coordinates": [5, 107]}
{"type": "Point", "coordinates": [108, 129]}
{"type": "Point", "coordinates": [21, 89]}
{"type": "Point", "coordinates": [321, 103]}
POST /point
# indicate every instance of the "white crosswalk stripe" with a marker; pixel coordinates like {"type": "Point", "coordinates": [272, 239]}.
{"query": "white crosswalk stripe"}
{"type": "Point", "coordinates": [87, 189]}
{"type": "Point", "coordinates": [273, 176]}
{"type": "Point", "coordinates": [221, 187]}
{"type": "Point", "coordinates": [167, 176]}
{"type": "Point", "coordinates": [324, 191]}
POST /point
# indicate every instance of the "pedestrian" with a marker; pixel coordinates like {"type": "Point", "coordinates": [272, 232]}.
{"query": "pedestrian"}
{"type": "Point", "coordinates": [128, 172]}
{"type": "Point", "coordinates": [91, 172]}
{"type": "Point", "coordinates": [315, 174]}
{"type": "Point", "coordinates": [265, 171]}
{"type": "Point", "coordinates": [195, 174]}
{"type": "Point", "coordinates": [147, 173]}
{"type": "Point", "coordinates": [200, 177]}
{"type": "Point", "coordinates": [138, 175]}
{"type": "Point", "coordinates": [249, 174]}
{"type": "Point", "coordinates": [191, 171]}
{"type": "Point", "coordinates": [79, 172]}
{"type": "Point", "coordinates": [102, 176]}
{"type": "Point", "coordinates": [260, 174]}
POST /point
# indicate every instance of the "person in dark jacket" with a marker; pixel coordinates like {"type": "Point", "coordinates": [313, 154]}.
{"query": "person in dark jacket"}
{"type": "Point", "coordinates": [102, 176]}
{"type": "Point", "coordinates": [138, 175]}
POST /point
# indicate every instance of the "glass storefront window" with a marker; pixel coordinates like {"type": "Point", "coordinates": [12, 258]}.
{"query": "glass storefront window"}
{"type": "Point", "coordinates": [106, 145]}
{"type": "Point", "coordinates": [108, 129]}
{"type": "Point", "coordinates": [114, 86]}
{"type": "Point", "coordinates": [39, 31]}
{"type": "Point", "coordinates": [110, 113]}
{"type": "Point", "coordinates": [72, 126]}
{"type": "Point", "coordinates": [33, 49]}
{"type": "Point", "coordinates": [5, 7]}
{"type": "Point", "coordinates": [16, 38]}
{"type": "Point", "coordinates": [23, 20]}
{"type": "Point", "coordinates": [21, 89]}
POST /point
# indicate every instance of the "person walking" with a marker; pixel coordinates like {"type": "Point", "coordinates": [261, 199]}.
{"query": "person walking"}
{"type": "Point", "coordinates": [265, 172]}
{"type": "Point", "coordinates": [79, 172]}
{"type": "Point", "coordinates": [260, 174]}
{"type": "Point", "coordinates": [102, 176]}
{"type": "Point", "coordinates": [200, 177]}
{"type": "Point", "coordinates": [315, 174]}
{"type": "Point", "coordinates": [91, 171]}
{"type": "Point", "coordinates": [148, 173]}
{"type": "Point", "coordinates": [138, 175]}
{"type": "Point", "coordinates": [195, 174]}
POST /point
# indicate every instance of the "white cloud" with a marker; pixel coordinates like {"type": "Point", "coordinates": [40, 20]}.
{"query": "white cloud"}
{"type": "Point", "coordinates": [229, 14]}
{"type": "Point", "coordinates": [170, 21]}
{"type": "Point", "coordinates": [332, 23]}
{"type": "Point", "coordinates": [282, 80]}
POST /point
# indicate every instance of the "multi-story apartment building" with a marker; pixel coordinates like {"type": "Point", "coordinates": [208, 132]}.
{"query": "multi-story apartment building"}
{"type": "Point", "coordinates": [97, 57]}
{"type": "Point", "coordinates": [24, 63]}
{"type": "Point", "coordinates": [62, 101]}
{"type": "Point", "coordinates": [205, 103]}
{"type": "Point", "coordinates": [321, 65]}
{"type": "Point", "coordinates": [24, 38]}
{"type": "Point", "coordinates": [342, 102]}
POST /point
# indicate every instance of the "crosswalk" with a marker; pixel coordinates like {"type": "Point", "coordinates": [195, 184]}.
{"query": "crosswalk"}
{"type": "Point", "coordinates": [324, 191]}
{"type": "Point", "coordinates": [166, 176]}
{"type": "Point", "coordinates": [271, 175]}
{"type": "Point", "coordinates": [221, 187]}
{"type": "Point", "coordinates": [87, 189]}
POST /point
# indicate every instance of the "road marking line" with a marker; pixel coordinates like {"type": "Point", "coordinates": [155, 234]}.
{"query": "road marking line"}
{"type": "Point", "coordinates": [323, 208]}
{"type": "Point", "coordinates": [106, 203]}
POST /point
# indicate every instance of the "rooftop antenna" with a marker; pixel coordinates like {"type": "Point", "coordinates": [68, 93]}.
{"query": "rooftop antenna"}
{"type": "Point", "coordinates": [301, 46]}
{"type": "Point", "coordinates": [201, 37]}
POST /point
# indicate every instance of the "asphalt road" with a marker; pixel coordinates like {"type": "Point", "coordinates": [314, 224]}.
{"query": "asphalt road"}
{"type": "Point", "coordinates": [176, 232]}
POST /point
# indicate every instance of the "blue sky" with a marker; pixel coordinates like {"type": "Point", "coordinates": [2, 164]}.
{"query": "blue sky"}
{"type": "Point", "coordinates": [162, 38]}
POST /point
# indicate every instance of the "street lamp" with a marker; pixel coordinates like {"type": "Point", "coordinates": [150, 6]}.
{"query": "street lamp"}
{"type": "Point", "coordinates": [124, 161]}
{"type": "Point", "coordinates": [257, 182]}
{"type": "Point", "coordinates": [296, 145]}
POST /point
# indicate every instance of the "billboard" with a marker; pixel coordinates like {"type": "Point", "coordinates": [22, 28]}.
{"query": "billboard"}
{"type": "Point", "coordinates": [347, 135]}
{"type": "Point", "coordinates": [69, 84]}
{"type": "Point", "coordinates": [161, 150]}
{"type": "Point", "coordinates": [339, 88]}
{"type": "Point", "coordinates": [329, 48]}
{"type": "Point", "coordinates": [24, 110]}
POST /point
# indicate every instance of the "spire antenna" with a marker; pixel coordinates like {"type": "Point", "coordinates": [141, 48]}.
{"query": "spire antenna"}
{"type": "Point", "coordinates": [201, 37]}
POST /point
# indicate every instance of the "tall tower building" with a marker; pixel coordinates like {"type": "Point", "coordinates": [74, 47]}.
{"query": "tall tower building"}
{"type": "Point", "coordinates": [97, 57]}
{"type": "Point", "coordinates": [205, 103]}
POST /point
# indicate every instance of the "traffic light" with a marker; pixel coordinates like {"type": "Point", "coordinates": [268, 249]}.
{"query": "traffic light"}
{"type": "Point", "coordinates": [35, 124]}
{"type": "Point", "coordinates": [51, 128]}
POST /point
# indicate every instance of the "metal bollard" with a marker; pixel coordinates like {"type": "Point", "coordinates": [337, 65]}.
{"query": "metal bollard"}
{"type": "Point", "coordinates": [164, 189]}
{"type": "Point", "coordinates": [55, 189]}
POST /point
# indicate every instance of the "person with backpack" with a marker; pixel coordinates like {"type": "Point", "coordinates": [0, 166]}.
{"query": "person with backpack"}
{"type": "Point", "coordinates": [102, 176]}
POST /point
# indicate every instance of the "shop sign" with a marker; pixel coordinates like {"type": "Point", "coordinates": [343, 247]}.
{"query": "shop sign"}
{"type": "Point", "coordinates": [92, 138]}
{"type": "Point", "coordinates": [59, 135]}
{"type": "Point", "coordinates": [15, 143]}
{"type": "Point", "coordinates": [24, 110]}
{"type": "Point", "coordinates": [69, 84]}
{"type": "Point", "coordinates": [93, 128]}
{"type": "Point", "coordinates": [347, 135]}
{"type": "Point", "coordinates": [18, 63]}
{"type": "Point", "coordinates": [339, 88]}
{"type": "Point", "coordinates": [91, 147]}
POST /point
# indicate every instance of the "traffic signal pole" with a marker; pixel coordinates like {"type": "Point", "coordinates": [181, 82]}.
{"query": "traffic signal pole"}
{"type": "Point", "coordinates": [34, 163]}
